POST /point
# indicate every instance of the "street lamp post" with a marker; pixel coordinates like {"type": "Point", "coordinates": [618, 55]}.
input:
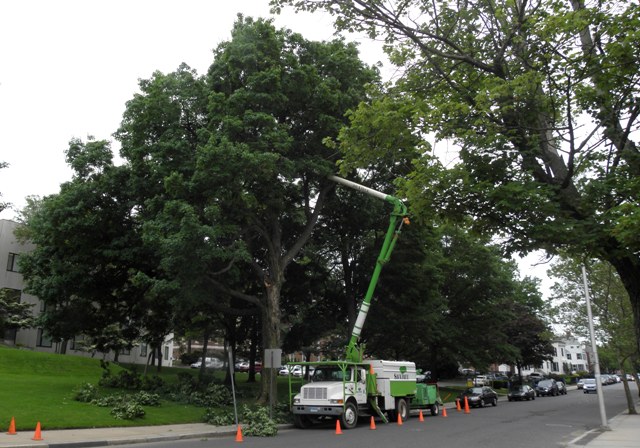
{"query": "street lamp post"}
{"type": "Point", "coordinates": [596, 362]}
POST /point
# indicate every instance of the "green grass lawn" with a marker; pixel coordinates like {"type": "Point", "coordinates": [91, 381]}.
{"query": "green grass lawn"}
{"type": "Point", "coordinates": [40, 387]}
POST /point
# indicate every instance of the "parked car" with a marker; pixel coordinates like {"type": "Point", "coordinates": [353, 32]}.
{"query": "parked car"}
{"type": "Point", "coordinates": [562, 388]}
{"type": "Point", "coordinates": [590, 385]}
{"type": "Point", "coordinates": [479, 396]}
{"type": "Point", "coordinates": [244, 366]}
{"type": "Point", "coordinates": [299, 371]}
{"type": "Point", "coordinates": [547, 387]}
{"type": "Point", "coordinates": [580, 383]}
{"type": "Point", "coordinates": [481, 380]}
{"type": "Point", "coordinates": [523, 392]}
{"type": "Point", "coordinates": [210, 363]}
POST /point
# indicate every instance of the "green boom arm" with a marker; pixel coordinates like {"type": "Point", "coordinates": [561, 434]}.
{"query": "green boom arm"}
{"type": "Point", "coordinates": [398, 216]}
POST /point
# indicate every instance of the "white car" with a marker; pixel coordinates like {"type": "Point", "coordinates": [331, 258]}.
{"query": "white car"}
{"type": "Point", "coordinates": [210, 363]}
{"type": "Point", "coordinates": [589, 385]}
{"type": "Point", "coordinates": [482, 380]}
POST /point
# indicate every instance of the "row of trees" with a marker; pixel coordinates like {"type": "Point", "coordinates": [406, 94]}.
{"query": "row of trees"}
{"type": "Point", "coordinates": [220, 215]}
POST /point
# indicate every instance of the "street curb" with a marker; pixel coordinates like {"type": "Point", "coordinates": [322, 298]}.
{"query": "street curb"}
{"type": "Point", "coordinates": [143, 439]}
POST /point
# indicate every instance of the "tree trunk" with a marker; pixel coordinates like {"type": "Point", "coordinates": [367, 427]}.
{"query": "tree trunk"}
{"type": "Point", "coordinates": [159, 369]}
{"type": "Point", "coordinates": [203, 359]}
{"type": "Point", "coordinates": [629, 273]}
{"type": "Point", "coordinates": [253, 351]}
{"type": "Point", "coordinates": [271, 316]}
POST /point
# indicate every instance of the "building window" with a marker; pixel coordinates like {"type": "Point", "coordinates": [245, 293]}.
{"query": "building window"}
{"type": "Point", "coordinates": [555, 366]}
{"type": "Point", "coordinates": [43, 339]}
{"type": "Point", "coordinates": [10, 335]}
{"type": "Point", "coordinates": [568, 355]}
{"type": "Point", "coordinates": [143, 350]}
{"type": "Point", "coordinates": [12, 263]}
{"type": "Point", "coordinates": [578, 355]}
{"type": "Point", "coordinates": [166, 352]}
{"type": "Point", "coordinates": [562, 351]}
{"type": "Point", "coordinates": [125, 351]}
{"type": "Point", "coordinates": [555, 351]}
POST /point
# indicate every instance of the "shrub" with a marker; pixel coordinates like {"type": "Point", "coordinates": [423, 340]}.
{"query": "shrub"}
{"type": "Point", "coordinates": [127, 411]}
{"type": "Point", "coordinates": [218, 395]}
{"type": "Point", "coordinates": [86, 393]}
{"type": "Point", "coordinates": [126, 379]}
{"type": "Point", "coordinates": [146, 399]}
{"type": "Point", "coordinates": [258, 423]}
{"type": "Point", "coordinates": [219, 417]}
{"type": "Point", "coordinates": [109, 400]}
{"type": "Point", "coordinates": [152, 383]}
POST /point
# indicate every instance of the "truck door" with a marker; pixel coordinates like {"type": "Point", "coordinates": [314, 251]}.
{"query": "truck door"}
{"type": "Point", "coordinates": [361, 386]}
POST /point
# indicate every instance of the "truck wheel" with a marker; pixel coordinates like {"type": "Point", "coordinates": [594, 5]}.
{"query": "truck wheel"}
{"type": "Point", "coordinates": [349, 417]}
{"type": "Point", "coordinates": [435, 409]}
{"type": "Point", "coordinates": [402, 409]}
{"type": "Point", "coordinates": [302, 421]}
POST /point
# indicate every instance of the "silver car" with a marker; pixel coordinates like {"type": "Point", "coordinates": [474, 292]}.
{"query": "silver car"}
{"type": "Point", "coordinates": [590, 385]}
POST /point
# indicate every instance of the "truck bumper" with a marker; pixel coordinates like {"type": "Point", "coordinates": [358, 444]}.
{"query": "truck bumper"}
{"type": "Point", "coordinates": [317, 409]}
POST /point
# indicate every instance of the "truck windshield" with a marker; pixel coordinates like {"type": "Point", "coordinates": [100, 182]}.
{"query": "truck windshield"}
{"type": "Point", "coordinates": [329, 373]}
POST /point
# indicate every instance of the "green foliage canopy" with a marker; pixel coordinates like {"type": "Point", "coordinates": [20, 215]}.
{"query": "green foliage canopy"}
{"type": "Point", "coordinates": [541, 96]}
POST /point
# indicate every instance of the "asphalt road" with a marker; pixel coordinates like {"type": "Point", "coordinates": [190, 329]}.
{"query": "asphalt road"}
{"type": "Point", "coordinates": [541, 423]}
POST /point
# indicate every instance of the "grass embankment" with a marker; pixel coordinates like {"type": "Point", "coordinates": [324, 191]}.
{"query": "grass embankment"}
{"type": "Point", "coordinates": [40, 387]}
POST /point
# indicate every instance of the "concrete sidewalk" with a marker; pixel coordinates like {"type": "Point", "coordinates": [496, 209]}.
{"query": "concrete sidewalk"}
{"type": "Point", "coordinates": [624, 433]}
{"type": "Point", "coordinates": [71, 438]}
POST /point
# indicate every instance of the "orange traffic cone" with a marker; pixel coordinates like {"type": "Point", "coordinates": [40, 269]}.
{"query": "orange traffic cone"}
{"type": "Point", "coordinates": [338, 430]}
{"type": "Point", "coordinates": [399, 419]}
{"type": "Point", "coordinates": [466, 406]}
{"type": "Point", "coordinates": [239, 434]}
{"type": "Point", "coordinates": [444, 411]}
{"type": "Point", "coordinates": [12, 427]}
{"type": "Point", "coordinates": [373, 423]}
{"type": "Point", "coordinates": [38, 433]}
{"type": "Point", "coordinates": [420, 416]}
{"type": "Point", "coordinates": [458, 408]}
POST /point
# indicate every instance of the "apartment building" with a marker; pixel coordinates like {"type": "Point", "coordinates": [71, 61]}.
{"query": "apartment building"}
{"type": "Point", "coordinates": [37, 339]}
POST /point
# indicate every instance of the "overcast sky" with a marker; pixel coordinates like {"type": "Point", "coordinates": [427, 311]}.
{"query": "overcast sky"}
{"type": "Point", "coordinates": [67, 67]}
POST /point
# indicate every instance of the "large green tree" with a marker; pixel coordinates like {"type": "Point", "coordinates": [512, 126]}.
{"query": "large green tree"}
{"type": "Point", "coordinates": [231, 166]}
{"type": "Point", "coordinates": [542, 98]}
{"type": "Point", "coordinates": [88, 253]}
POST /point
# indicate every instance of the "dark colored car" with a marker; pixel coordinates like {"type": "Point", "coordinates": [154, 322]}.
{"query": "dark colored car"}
{"type": "Point", "coordinates": [562, 388]}
{"type": "Point", "coordinates": [523, 392]}
{"type": "Point", "coordinates": [547, 387]}
{"type": "Point", "coordinates": [479, 396]}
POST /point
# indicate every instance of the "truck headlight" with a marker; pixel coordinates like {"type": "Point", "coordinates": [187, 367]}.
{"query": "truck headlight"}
{"type": "Point", "coordinates": [296, 400]}
{"type": "Point", "coordinates": [336, 401]}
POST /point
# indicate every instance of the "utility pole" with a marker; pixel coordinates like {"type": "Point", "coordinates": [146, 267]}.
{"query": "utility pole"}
{"type": "Point", "coordinates": [604, 424]}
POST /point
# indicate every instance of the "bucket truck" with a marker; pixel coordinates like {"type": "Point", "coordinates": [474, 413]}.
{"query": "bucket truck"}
{"type": "Point", "coordinates": [354, 387]}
